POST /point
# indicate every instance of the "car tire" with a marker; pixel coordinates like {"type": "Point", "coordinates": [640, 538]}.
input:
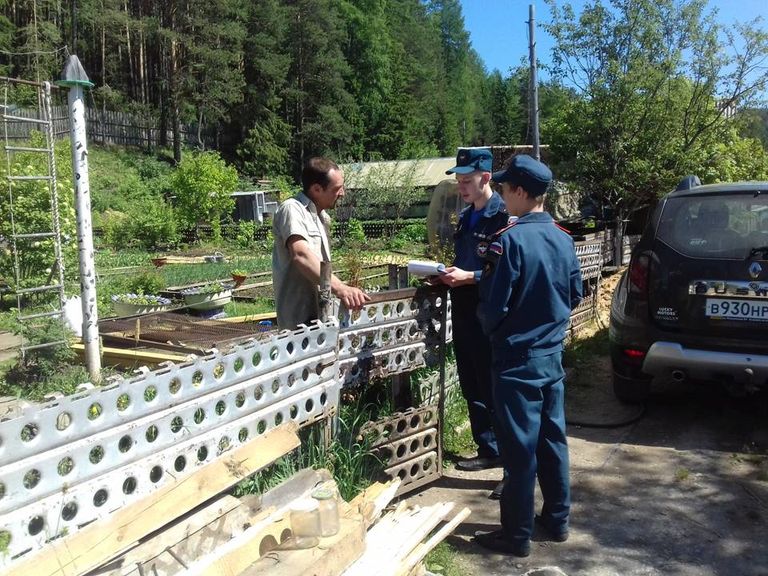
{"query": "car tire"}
{"type": "Point", "coordinates": [631, 390]}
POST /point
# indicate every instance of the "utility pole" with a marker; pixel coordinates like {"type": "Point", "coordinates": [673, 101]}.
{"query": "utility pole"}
{"type": "Point", "coordinates": [534, 106]}
{"type": "Point", "coordinates": [75, 78]}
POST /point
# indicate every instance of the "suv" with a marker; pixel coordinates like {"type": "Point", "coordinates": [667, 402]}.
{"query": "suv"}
{"type": "Point", "coordinates": [693, 303]}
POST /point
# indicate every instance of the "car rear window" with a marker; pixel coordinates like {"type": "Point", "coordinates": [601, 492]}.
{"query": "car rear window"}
{"type": "Point", "coordinates": [715, 226]}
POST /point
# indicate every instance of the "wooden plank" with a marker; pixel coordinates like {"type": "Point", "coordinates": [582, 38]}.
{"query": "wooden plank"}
{"type": "Point", "coordinates": [394, 537]}
{"type": "Point", "coordinates": [103, 539]}
{"type": "Point", "coordinates": [371, 501]}
{"type": "Point", "coordinates": [156, 544]}
{"type": "Point", "coordinates": [421, 551]}
{"type": "Point", "coordinates": [330, 557]}
{"type": "Point", "coordinates": [250, 318]}
{"type": "Point", "coordinates": [267, 530]}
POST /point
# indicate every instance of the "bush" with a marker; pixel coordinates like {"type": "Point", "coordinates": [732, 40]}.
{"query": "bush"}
{"type": "Point", "coordinates": [147, 283]}
{"type": "Point", "coordinates": [409, 235]}
{"type": "Point", "coordinates": [44, 370]}
{"type": "Point", "coordinates": [146, 225]}
{"type": "Point", "coordinates": [202, 184]}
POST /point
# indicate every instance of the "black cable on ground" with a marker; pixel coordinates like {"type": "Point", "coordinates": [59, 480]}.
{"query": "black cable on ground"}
{"type": "Point", "coordinates": [632, 420]}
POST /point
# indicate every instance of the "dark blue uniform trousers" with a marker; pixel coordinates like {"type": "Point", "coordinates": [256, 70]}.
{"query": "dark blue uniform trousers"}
{"type": "Point", "coordinates": [473, 363]}
{"type": "Point", "coordinates": [531, 418]}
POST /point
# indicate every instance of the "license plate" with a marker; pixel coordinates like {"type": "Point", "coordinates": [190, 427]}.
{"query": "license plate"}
{"type": "Point", "coordinates": [737, 309]}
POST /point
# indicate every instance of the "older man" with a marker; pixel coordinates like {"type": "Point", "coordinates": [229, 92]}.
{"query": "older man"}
{"type": "Point", "coordinates": [300, 228]}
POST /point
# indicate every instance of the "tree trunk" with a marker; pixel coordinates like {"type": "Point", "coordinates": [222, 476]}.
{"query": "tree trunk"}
{"type": "Point", "coordinates": [131, 68]}
{"type": "Point", "coordinates": [200, 142]}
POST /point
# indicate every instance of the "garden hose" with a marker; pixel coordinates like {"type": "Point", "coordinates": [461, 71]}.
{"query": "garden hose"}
{"type": "Point", "coordinates": [634, 418]}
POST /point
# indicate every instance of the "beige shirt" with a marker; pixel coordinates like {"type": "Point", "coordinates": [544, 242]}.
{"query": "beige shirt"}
{"type": "Point", "coordinates": [296, 298]}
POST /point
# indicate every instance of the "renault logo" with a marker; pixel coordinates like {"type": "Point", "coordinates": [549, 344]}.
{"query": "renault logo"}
{"type": "Point", "coordinates": [755, 269]}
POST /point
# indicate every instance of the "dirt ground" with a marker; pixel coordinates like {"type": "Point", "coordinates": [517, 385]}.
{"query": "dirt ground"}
{"type": "Point", "coordinates": [680, 490]}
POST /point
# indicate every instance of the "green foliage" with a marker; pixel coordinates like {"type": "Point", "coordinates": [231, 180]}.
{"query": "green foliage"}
{"type": "Point", "coordinates": [120, 178]}
{"type": "Point", "coordinates": [354, 242]}
{"type": "Point", "coordinates": [349, 457]}
{"type": "Point", "coordinates": [285, 189]}
{"type": "Point", "coordinates": [355, 233]}
{"type": "Point", "coordinates": [148, 282]}
{"type": "Point", "coordinates": [44, 370]}
{"type": "Point", "coordinates": [245, 233]}
{"type": "Point", "coordinates": [386, 190]}
{"type": "Point", "coordinates": [408, 236]}
{"type": "Point", "coordinates": [32, 214]}
{"type": "Point", "coordinates": [147, 224]}
{"type": "Point", "coordinates": [444, 559]}
{"type": "Point", "coordinates": [649, 97]}
{"type": "Point", "coordinates": [203, 183]}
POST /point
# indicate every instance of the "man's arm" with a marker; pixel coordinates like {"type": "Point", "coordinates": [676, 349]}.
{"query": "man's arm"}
{"type": "Point", "coordinates": [497, 286]}
{"type": "Point", "coordinates": [309, 266]}
{"type": "Point", "coordinates": [455, 276]}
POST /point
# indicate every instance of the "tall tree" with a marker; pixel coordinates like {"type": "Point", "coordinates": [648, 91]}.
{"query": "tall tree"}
{"type": "Point", "coordinates": [262, 129]}
{"type": "Point", "coordinates": [317, 101]}
{"type": "Point", "coordinates": [654, 80]}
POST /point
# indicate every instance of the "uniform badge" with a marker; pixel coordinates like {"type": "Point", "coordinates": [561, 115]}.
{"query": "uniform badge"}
{"type": "Point", "coordinates": [482, 248]}
{"type": "Point", "coordinates": [496, 248]}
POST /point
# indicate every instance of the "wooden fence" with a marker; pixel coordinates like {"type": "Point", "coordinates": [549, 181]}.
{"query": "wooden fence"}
{"type": "Point", "coordinates": [108, 127]}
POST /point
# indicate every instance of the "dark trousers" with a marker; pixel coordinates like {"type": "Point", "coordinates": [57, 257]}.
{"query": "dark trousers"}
{"type": "Point", "coordinates": [531, 431]}
{"type": "Point", "coordinates": [473, 361]}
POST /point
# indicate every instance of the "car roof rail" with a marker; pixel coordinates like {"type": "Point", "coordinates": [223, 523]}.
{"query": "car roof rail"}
{"type": "Point", "coordinates": [688, 182]}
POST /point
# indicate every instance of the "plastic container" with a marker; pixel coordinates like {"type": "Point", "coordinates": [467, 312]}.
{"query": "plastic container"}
{"type": "Point", "coordinates": [305, 518]}
{"type": "Point", "coordinates": [328, 508]}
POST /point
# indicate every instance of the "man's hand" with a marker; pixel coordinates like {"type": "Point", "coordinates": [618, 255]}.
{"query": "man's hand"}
{"type": "Point", "coordinates": [353, 298]}
{"type": "Point", "coordinates": [454, 277]}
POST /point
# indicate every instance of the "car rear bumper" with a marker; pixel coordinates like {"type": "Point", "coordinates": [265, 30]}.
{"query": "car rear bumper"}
{"type": "Point", "coordinates": [671, 358]}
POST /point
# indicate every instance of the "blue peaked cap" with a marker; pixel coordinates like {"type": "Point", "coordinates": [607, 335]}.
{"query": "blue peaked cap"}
{"type": "Point", "coordinates": [472, 159]}
{"type": "Point", "coordinates": [522, 170]}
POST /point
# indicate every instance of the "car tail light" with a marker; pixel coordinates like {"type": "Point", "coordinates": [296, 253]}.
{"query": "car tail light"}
{"type": "Point", "coordinates": [638, 276]}
{"type": "Point", "coordinates": [633, 355]}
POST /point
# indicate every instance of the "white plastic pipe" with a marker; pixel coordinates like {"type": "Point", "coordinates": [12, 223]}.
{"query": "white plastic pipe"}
{"type": "Point", "coordinates": [84, 233]}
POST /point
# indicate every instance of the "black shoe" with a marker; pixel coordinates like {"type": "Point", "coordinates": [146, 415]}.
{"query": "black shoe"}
{"type": "Point", "coordinates": [560, 535]}
{"type": "Point", "coordinates": [479, 463]}
{"type": "Point", "coordinates": [496, 494]}
{"type": "Point", "coordinates": [497, 542]}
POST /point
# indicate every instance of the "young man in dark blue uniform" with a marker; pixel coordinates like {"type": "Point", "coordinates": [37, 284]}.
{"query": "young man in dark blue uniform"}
{"type": "Point", "coordinates": [530, 283]}
{"type": "Point", "coordinates": [484, 215]}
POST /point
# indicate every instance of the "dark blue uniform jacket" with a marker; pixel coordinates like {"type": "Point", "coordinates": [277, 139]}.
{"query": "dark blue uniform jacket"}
{"type": "Point", "coordinates": [470, 245]}
{"type": "Point", "coordinates": [530, 284]}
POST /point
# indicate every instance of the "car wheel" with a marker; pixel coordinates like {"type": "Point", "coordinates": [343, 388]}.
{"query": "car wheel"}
{"type": "Point", "coordinates": [631, 390]}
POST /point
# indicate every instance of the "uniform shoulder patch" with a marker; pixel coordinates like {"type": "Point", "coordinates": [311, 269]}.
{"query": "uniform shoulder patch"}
{"type": "Point", "coordinates": [496, 248]}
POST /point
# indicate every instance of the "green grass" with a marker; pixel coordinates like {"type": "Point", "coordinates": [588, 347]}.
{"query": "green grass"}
{"type": "Point", "coordinates": [348, 457]}
{"type": "Point", "coordinates": [246, 308]}
{"type": "Point", "coordinates": [682, 474]}
{"type": "Point", "coordinates": [445, 559]}
{"type": "Point", "coordinates": [457, 435]}
{"type": "Point", "coordinates": [583, 355]}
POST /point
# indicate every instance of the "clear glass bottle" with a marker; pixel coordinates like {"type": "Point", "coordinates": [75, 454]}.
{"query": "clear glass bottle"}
{"type": "Point", "coordinates": [328, 509]}
{"type": "Point", "coordinates": [305, 522]}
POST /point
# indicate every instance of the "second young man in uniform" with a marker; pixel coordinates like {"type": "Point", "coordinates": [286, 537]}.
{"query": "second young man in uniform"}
{"type": "Point", "coordinates": [530, 284]}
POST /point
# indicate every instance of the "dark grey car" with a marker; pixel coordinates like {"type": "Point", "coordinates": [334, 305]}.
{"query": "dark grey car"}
{"type": "Point", "coordinates": [693, 303]}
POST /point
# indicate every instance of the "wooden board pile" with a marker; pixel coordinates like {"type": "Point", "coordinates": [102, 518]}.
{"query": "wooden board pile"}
{"type": "Point", "coordinates": [190, 528]}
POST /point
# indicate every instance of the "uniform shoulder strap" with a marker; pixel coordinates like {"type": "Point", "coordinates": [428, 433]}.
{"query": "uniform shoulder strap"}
{"type": "Point", "coordinates": [563, 229]}
{"type": "Point", "coordinates": [499, 232]}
